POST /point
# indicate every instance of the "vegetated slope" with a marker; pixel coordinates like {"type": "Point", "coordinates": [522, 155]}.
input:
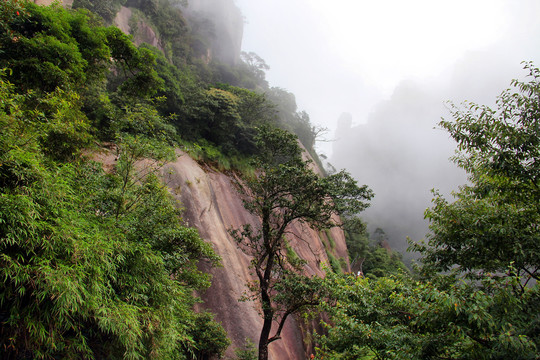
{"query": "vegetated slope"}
{"type": "Point", "coordinates": [213, 206]}
{"type": "Point", "coordinates": [109, 89]}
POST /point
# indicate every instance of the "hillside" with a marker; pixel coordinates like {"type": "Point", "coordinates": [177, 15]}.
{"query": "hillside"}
{"type": "Point", "coordinates": [160, 200]}
{"type": "Point", "coordinates": [114, 268]}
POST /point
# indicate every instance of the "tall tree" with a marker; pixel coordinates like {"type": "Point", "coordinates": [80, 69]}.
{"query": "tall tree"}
{"type": "Point", "coordinates": [286, 190]}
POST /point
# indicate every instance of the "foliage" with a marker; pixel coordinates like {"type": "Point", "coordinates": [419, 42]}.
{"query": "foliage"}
{"type": "Point", "coordinates": [494, 221]}
{"type": "Point", "coordinates": [179, 84]}
{"type": "Point", "coordinates": [209, 336]}
{"type": "Point", "coordinates": [357, 240]}
{"type": "Point", "coordinates": [107, 9]}
{"type": "Point", "coordinates": [380, 261]}
{"type": "Point", "coordinates": [248, 352]}
{"type": "Point", "coordinates": [135, 76]}
{"type": "Point", "coordinates": [227, 117]}
{"type": "Point", "coordinates": [475, 299]}
{"type": "Point", "coordinates": [399, 318]}
{"type": "Point", "coordinates": [256, 67]}
{"type": "Point", "coordinates": [292, 120]}
{"type": "Point", "coordinates": [366, 258]}
{"type": "Point", "coordinates": [286, 190]}
{"type": "Point", "coordinates": [49, 47]}
{"type": "Point", "coordinates": [93, 265]}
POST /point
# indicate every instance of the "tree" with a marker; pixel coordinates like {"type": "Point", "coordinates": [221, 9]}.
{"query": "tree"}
{"type": "Point", "coordinates": [494, 221]}
{"type": "Point", "coordinates": [474, 298]}
{"type": "Point", "coordinates": [286, 190]}
{"type": "Point", "coordinates": [401, 318]}
{"type": "Point", "coordinates": [256, 66]}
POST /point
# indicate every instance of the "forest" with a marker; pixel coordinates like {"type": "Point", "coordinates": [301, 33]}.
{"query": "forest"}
{"type": "Point", "coordinates": [96, 261]}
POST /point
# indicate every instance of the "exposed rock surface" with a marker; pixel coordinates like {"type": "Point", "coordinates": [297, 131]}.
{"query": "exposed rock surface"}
{"type": "Point", "coordinates": [145, 34]}
{"type": "Point", "coordinates": [122, 19]}
{"type": "Point", "coordinates": [212, 205]}
{"type": "Point", "coordinates": [141, 31]}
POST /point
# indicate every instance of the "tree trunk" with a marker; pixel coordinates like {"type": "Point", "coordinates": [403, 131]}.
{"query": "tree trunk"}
{"type": "Point", "coordinates": [267, 326]}
{"type": "Point", "coordinates": [263, 342]}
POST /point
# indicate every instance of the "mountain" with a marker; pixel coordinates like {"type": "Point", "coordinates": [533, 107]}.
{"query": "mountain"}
{"type": "Point", "coordinates": [192, 49]}
{"type": "Point", "coordinates": [402, 155]}
{"type": "Point", "coordinates": [225, 26]}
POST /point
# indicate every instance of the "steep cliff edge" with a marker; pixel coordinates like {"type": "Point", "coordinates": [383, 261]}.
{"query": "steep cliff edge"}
{"type": "Point", "coordinates": [212, 206]}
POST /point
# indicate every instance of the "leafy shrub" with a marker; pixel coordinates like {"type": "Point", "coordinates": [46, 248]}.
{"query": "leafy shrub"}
{"type": "Point", "coordinates": [247, 352]}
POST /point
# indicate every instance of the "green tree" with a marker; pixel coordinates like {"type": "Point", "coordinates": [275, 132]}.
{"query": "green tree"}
{"type": "Point", "coordinates": [107, 9]}
{"type": "Point", "coordinates": [50, 47]}
{"type": "Point", "coordinates": [254, 110]}
{"type": "Point", "coordinates": [478, 296]}
{"type": "Point", "coordinates": [373, 260]}
{"type": "Point", "coordinates": [400, 318]}
{"type": "Point", "coordinates": [493, 223]}
{"type": "Point", "coordinates": [256, 67]}
{"type": "Point", "coordinates": [285, 190]}
{"type": "Point", "coordinates": [209, 336]}
{"type": "Point", "coordinates": [135, 75]}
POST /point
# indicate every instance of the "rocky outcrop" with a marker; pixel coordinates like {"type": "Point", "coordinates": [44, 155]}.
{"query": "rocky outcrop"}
{"type": "Point", "coordinates": [225, 39]}
{"type": "Point", "coordinates": [141, 31]}
{"type": "Point", "coordinates": [212, 206]}
{"type": "Point", "coordinates": [122, 18]}
{"type": "Point", "coordinates": [145, 34]}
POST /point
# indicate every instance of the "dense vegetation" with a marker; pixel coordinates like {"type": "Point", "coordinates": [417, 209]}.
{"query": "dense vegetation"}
{"type": "Point", "coordinates": [94, 264]}
{"type": "Point", "coordinates": [476, 293]}
{"type": "Point", "coordinates": [97, 263]}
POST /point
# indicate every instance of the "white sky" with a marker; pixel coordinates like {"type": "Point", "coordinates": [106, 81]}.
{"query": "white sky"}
{"type": "Point", "coordinates": [348, 55]}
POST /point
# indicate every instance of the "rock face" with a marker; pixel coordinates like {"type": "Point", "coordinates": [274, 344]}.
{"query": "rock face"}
{"type": "Point", "coordinates": [121, 20]}
{"type": "Point", "coordinates": [142, 32]}
{"type": "Point", "coordinates": [228, 27]}
{"type": "Point", "coordinates": [213, 206]}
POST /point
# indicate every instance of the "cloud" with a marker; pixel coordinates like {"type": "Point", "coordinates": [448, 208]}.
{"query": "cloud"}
{"type": "Point", "coordinates": [392, 65]}
{"type": "Point", "coordinates": [402, 154]}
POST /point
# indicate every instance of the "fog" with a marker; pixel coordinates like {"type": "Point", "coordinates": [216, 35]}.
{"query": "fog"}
{"type": "Point", "coordinates": [385, 70]}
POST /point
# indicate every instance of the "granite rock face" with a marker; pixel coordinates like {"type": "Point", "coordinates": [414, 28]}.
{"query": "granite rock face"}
{"type": "Point", "coordinates": [213, 206]}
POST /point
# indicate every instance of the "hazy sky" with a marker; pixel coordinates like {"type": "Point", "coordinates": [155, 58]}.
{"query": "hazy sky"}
{"type": "Point", "coordinates": [348, 55]}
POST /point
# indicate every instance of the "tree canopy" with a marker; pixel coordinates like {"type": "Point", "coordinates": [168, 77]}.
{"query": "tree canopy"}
{"type": "Point", "coordinates": [476, 294]}
{"type": "Point", "coordinates": [493, 223]}
{"type": "Point", "coordinates": [283, 191]}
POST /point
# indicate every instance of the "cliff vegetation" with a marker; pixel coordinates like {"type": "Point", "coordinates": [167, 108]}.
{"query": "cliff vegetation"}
{"type": "Point", "coordinates": [150, 177]}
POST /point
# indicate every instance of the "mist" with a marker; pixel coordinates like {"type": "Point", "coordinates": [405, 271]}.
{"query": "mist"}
{"type": "Point", "coordinates": [402, 154]}
{"type": "Point", "coordinates": [378, 75]}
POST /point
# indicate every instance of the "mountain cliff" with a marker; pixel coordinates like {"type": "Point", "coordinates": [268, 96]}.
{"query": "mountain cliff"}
{"type": "Point", "coordinates": [213, 206]}
{"type": "Point", "coordinates": [225, 28]}
{"type": "Point", "coordinates": [95, 89]}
